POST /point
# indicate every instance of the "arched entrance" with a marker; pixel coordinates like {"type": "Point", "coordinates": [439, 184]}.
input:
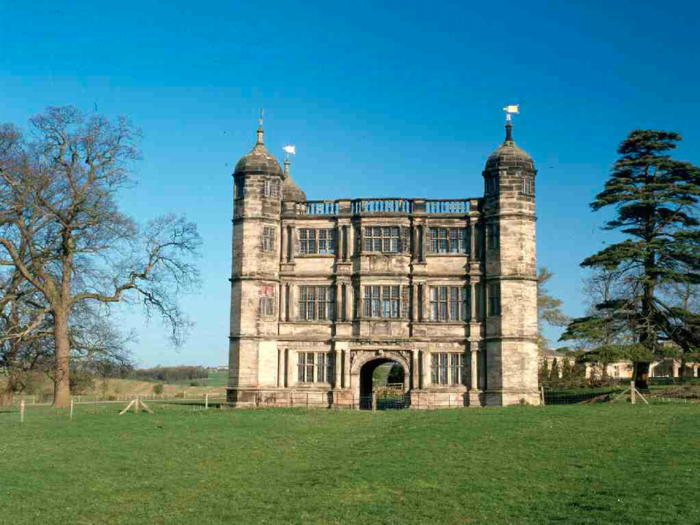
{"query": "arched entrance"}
{"type": "Point", "coordinates": [367, 381]}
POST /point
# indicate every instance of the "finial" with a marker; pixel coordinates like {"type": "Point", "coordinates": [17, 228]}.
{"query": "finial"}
{"type": "Point", "coordinates": [261, 132]}
{"type": "Point", "coordinates": [286, 167]}
{"type": "Point", "coordinates": [511, 109]}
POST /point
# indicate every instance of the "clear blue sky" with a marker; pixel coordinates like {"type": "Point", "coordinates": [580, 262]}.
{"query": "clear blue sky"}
{"type": "Point", "coordinates": [381, 99]}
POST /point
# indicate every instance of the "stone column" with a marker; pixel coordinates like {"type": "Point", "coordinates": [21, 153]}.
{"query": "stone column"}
{"type": "Point", "coordinates": [292, 243]}
{"type": "Point", "coordinates": [280, 368]}
{"type": "Point", "coordinates": [289, 368]}
{"type": "Point", "coordinates": [338, 380]}
{"type": "Point", "coordinates": [425, 363]}
{"type": "Point", "coordinates": [414, 303]}
{"type": "Point", "coordinates": [346, 243]}
{"type": "Point", "coordinates": [291, 293]}
{"type": "Point", "coordinates": [346, 369]}
{"type": "Point", "coordinates": [474, 392]}
{"type": "Point", "coordinates": [473, 302]}
{"type": "Point", "coordinates": [338, 302]}
{"type": "Point", "coordinates": [350, 299]}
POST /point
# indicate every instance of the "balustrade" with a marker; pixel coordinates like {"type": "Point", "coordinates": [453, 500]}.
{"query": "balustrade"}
{"type": "Point", "coordinates": [387, 205]}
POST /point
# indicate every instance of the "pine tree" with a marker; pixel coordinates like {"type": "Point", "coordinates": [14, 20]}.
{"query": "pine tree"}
{"type": "Point", "coordinates": [544, 372]}
{"type": "Point", "coordinates": [554, 372]}
{"type": "Point", "coordinates": [655, 198]}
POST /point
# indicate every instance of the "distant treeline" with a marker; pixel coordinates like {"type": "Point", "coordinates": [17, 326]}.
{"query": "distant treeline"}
{"type": "Point", "coordinates": [170, 374]}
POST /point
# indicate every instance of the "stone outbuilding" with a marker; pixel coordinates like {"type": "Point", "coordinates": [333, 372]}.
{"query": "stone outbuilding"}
{"type": "Point", "coordinates": [324, 292]}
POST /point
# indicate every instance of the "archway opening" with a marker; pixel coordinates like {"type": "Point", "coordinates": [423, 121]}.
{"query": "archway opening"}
{"type": "Point", "coordinates": [382, 381]}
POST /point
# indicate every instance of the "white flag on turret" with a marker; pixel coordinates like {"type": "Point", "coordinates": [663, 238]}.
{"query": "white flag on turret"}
{"type": "Point", "coordinates": [512, 109]}
{"type": "Point", "coordinates": [290, 150]}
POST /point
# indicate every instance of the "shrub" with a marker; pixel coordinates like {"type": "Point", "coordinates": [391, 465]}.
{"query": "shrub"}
{"type": "Point", "coordinates": [158, 389]}
{"type": "Point", "coordinates": [194, 383]}
{"type": "Point", "coordinates": [179, 395]}
{"type": "Point", "coordinates": [81, 381]}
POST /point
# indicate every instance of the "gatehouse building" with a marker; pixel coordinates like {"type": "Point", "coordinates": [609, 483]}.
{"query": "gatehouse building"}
{"type": "Point", "coordinates": [324, 292]}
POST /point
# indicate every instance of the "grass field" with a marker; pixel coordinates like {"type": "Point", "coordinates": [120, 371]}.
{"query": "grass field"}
{"type": "Point", "coordinates": [570, 464]}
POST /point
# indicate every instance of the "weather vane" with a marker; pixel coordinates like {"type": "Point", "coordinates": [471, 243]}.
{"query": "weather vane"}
{"type": "Point", "coordinates": [512, 109]}
{"type": "Point", "coordinates": [289, 150]}
{"type": "Point", "coordinates": [261, 116]}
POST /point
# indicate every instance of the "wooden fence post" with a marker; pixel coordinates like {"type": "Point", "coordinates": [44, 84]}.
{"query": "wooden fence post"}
{"type": "Point", "coordinates": [542, 395]}
{"type": "Point", "coordinates": [374, 401]}
{"type": "Point", "coordinates": [633, 391]}
{"type": "Point", "coordinates": [21, 411]}
{"type": "Point", "coordinates": [206, 402]}
{"type": "Point", "coordinates": [71, 408]}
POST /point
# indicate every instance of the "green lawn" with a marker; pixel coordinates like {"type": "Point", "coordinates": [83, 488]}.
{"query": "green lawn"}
{"type": "Point", "coordinates": [562, 464]}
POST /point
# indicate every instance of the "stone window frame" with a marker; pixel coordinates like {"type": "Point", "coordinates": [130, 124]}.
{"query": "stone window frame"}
{"type": "Point", "coordinates": [494, 300]}
{"type": "Point", "coordinates": [493, 185]}
{"type": "Point", "coordinates": [457, 240]}
{"type": "Point", "coordinates": [239, 187]}
{"type": "Point", "coordinates": [316, 303]}
{"type": "Point", "coordinates": [382, 299]}
{"type": "Point", "coordinates": [448, 368]}
{"type": "Point", "coordinates": [267, 301]}
{"type": "Point", "coordinates": [268, 238]}
{"type": "Point", "coordinates": [311, 241]}
{"type": "Point", "coordinates": [461, 304]}
{"type": "Point", "coordinates": [528, 186]}
{"type": "Point", "coordinates": [316, 367]}
{"type": "Point", "coordinates": [271, 188]}
{"type": "Point", "coordinates": [493, 236]}
{"type": "Point", "coordinates": [392, 239]}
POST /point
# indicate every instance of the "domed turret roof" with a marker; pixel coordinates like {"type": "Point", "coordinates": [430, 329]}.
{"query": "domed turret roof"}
{"type": "Point", "coordinates": [290, 191]}
{"type": "Point", "coordinates": [259, 159]}
{"type": "Point", "coordinates": [509, 154]}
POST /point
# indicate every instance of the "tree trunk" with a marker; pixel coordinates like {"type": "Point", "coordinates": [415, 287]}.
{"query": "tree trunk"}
{"type": "Point", "coordinates": [641, 374]}
{"type": "Point", "coordinates": [62, 342]}
{"type": "Point", "coordinates": [7, 397]}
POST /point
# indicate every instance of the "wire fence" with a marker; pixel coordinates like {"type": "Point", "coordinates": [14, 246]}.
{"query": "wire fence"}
{"type": "Point", "coordinates": [31, 408]}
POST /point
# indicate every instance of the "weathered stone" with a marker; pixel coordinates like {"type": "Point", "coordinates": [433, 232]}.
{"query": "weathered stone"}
{"type": "Point", "coordinates": [484, 355]}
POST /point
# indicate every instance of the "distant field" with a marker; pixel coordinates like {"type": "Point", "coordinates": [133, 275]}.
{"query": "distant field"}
{"type": "Point", "coordinates": [571, 464]}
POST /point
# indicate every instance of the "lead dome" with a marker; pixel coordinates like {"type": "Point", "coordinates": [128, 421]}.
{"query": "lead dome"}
{"type": "Point", "coordinates": [259, 160]}
{"type": "Point", "coordinates": [509, 154]}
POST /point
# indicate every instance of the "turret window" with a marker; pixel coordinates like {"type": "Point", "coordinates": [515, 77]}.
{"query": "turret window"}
{"type": "Point", "coordinates": [528, 185]}
{"type": "Point", "coordinates": [494, 291]}
{"type": "Point", "coordinates": [492, 186]}
{"type": "Point", "coordinates": [267, 301]}
{"type": "Point", "coordinates": [268, 239]}
{"type": "Point", "coordinates": [238, 188]}
{"type": "Point", "coordinates": [321, 242]}
{"type": "Point", "coordinates": [493, 236]}
{"type": "Point", "coordinates": [271, 188]}
{"type": "Point", "coordinates": [449, 240]}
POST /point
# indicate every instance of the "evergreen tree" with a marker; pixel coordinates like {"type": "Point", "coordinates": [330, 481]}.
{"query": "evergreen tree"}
{"type": "Point", "coordinates": [566, 370]}
{"type": "Point", "coordinates": [543, 375]}
{"type": "Point", "coordinates": [554, 372]}
{"type": "Point", "coordinates": [655, 198]}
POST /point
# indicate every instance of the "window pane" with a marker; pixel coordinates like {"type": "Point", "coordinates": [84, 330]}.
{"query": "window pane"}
{"type": "Point", "coordinates": [377, 245]}
{"type": "Point", "coordinates": [377, 232]}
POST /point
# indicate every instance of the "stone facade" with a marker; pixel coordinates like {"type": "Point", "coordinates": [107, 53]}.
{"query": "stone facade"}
{"type": "Point", "coordinates": [323, 292]}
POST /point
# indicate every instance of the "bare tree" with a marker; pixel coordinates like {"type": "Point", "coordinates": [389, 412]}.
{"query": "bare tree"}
{"type": "Point", "coordinates": [548, 309]}
{"type": "Point", "coordinates": [61, 228]}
